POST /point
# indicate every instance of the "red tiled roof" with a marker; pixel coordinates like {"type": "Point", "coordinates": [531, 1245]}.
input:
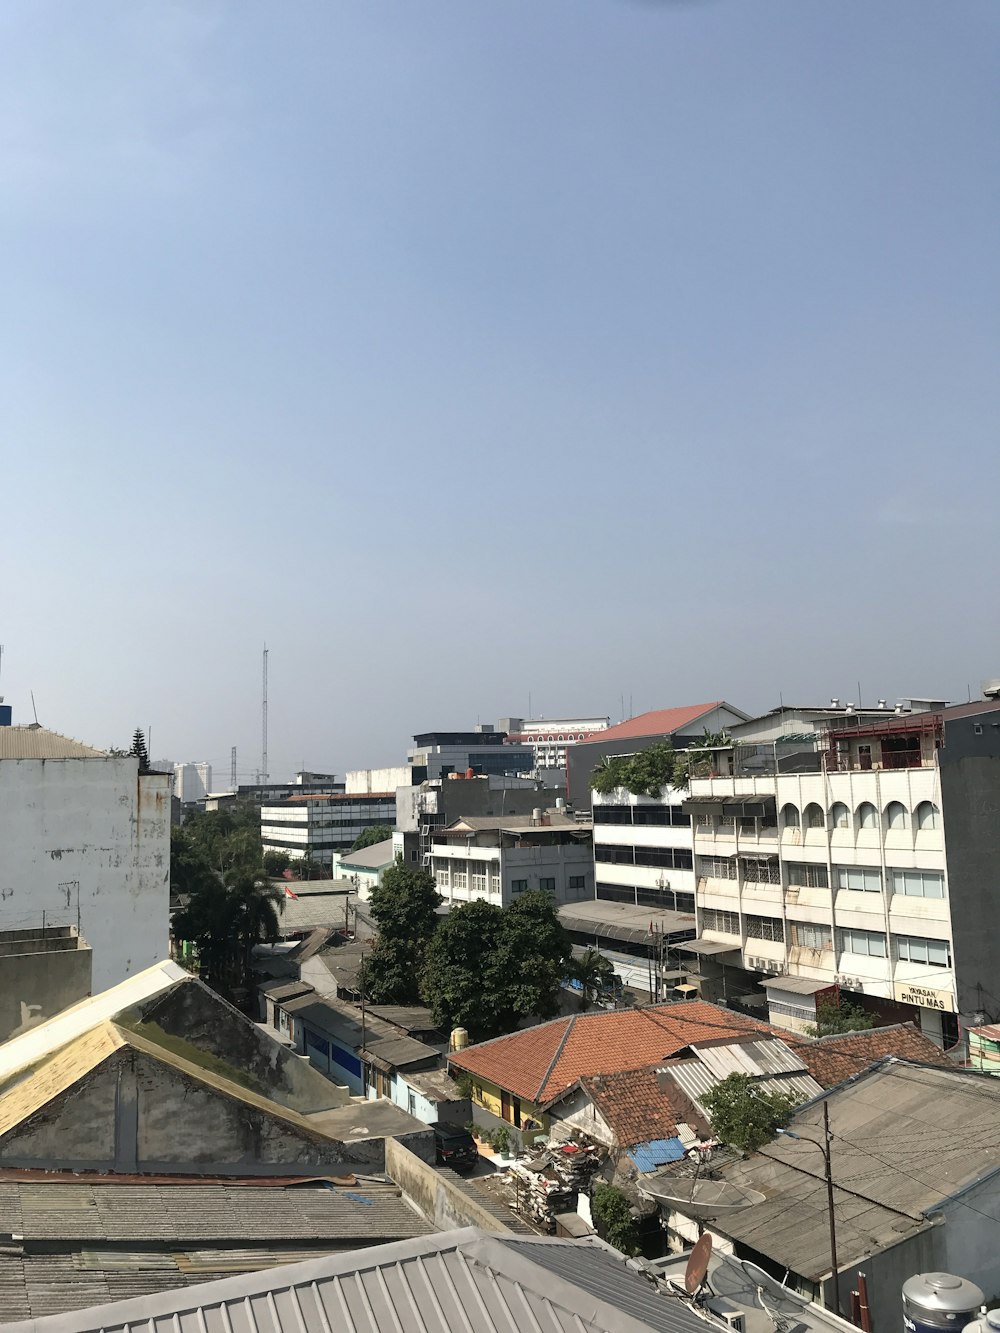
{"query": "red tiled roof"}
{"type": "Point", "coordinates": [637, 1109]}
{"type": "Point", "coordinates": [831, 1060]}
{"type": "Point", "coordinates": [540, 1063]}
{"type": "Point", "coordinates": [659, 722]}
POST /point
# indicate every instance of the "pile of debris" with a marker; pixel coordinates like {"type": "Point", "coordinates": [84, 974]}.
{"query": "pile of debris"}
{"type": "Point", "coordinates": [551, 1181]}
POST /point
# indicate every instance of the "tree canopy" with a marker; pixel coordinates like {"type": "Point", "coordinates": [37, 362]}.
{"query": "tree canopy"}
{"type": "Point", "coordinates": [404, 908]}
{"type": "Point", "coordinates": [613, 1219]}
{"type": "Point", "coordinates": [139, 749]}
{"type": "Point", "coordinates": [488, 967]}
{"type": "Point", "coordinates": [833, 1017]}
{"type": "Point", "coordinates": [370, 836]}
{"type": "Point", "coordinates": [743, 1114]}
{"type": "Point", "coordinates": [645, 773]}
{"type": "Point", "coordinates": [224, 921]}
{"type": "Point", "coordinates": [593, 971]}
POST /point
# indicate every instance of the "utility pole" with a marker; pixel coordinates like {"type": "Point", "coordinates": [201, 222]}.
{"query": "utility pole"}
{"type": "Point", "coordinates": [828, 1138]}
{"type": "Point", "coordinates": [263, 721]}
{"type": "Point", "coordinates": [232, 769]}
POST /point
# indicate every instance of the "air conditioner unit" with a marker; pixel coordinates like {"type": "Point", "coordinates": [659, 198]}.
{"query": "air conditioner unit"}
{"type": "Point", "coordinates": [728, 1313]}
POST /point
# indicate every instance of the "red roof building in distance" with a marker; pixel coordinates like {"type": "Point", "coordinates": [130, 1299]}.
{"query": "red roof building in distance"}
{"type": "Point", "coordinates": [677, 725]}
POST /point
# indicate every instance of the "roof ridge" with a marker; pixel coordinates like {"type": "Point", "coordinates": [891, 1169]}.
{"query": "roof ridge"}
{"type": "Point", "coordinates": [558, 1053]}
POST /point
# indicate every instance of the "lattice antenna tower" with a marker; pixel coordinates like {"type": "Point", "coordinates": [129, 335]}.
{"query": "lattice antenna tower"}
{"type": "Point", "coordinates": [232, 769]}
{"type": "Point", "coordinates": [263, 720]}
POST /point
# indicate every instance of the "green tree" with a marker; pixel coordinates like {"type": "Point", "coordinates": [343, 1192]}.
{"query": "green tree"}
{"type": "Point", "coordinates": [404, 908]}
{"type": "Point", "coordinates": [224, 922]}
{"type": "Point", "coordinates": [254, 908]}
{"type": "Point", "coordinates": [370, 836]}
{"type": "Point", "coordinates": [644, 773]}
{"type": "Point", "coordinates": [190, 867]}
{"type": "Point", "coordinates": [139, 750]}
{"type": "Point", "coordinates": [276, 863]}
{"type": "Point", "coordinates": [486, 968]}
{"type": "Point", "coordinates": [743, 1114]}
{"type": "Point", "coordinates": [833, 1017]}
{"type": "Point", "coordinates": [593, 971]}
{"type": "Point", "coordinates": [613, 1219]}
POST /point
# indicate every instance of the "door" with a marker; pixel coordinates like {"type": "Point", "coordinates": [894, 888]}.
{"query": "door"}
{"type": "Point", "coordinates": [506, 1109]}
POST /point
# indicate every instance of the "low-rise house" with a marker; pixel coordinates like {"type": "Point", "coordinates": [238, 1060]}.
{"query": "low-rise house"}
{"type": "Point", "coordinates": [469, 1279]}
{"type": "Point", "coordinates": [364, 868]}
{"type": "Point", "coordinates": [498, 858]}
{"type": "Point", "coordinates": [915, 1163]}
{"type": "Point", "coordinates": [161, 1075]}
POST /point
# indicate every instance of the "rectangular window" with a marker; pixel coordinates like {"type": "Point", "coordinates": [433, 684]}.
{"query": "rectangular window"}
{"type": "Point", "coordinates": [757, 871]}
{"type": "Point", "coordinates": [727, 823]}
{"type": "Point", "coordinates": [612, 814]}
{"type": "Point", "coordinates": [459, 875]}
{"type": "Point", "coordinates": [442, 869]}
{"type": "Point", "coordinates": [765, 928]}
{"type": "Point", "coordinates": [868, 943]}
{"type": "Point", "coordinates": [917, 949]}
{"type": "Point", "coordinates": [479, 876]}
{"type": "Point", "coordinates": [861, 879]}
{"type": "Point", "coordinates": [725, 923]}
{"type": "Point", "coordinates": [918, 883]}
{"type": "Point", "coordinates": [577, 881]}
{"type": "Point", "coordinates": [706, 821]}
{"type": "Point", "coordinates": [716, 867]}
{"type": "Point", "coordinates": [806, 876]}
{"type": "Point", "coordinates": [547, 884]}
{"type": "Point", "coordinates": [518, 885]}
{"type": "Point", "coordinates": [807, 935]}
{"type": "Point", "coordinates": [616, 856]}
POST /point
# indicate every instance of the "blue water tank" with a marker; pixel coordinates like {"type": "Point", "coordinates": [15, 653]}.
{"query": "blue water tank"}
{"type": "Point", "coordinates": [938, 1302]}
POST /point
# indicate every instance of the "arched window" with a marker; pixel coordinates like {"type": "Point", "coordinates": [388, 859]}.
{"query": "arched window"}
{"type": "Point", "coordinates": [840, 816]}
{"type": "Point", "coordinates": [895, 815]}
{"type": "Point", "coordinates": [814, 816]}
{"type": "Point", "coordinates": [867, 815]}
{"type": "Point", "coordinates": [789, 816]}
{"type": "Point", "coordinates": [928, 815]}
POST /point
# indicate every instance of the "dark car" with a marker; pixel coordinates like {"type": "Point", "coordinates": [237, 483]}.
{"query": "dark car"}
{"type": "Point", "coordinates": [455, 1146]}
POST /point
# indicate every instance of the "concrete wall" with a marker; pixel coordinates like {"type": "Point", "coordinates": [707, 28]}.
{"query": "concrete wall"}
{"type": "Point", "coordinates": [363, 781]}
{"type": "Point", "coordinates": [134, 1114]}
{"type": "Point", "coordinates": [87, 842]}
{"type": "Point", "coordinates": [35, 986]}
{"type": "Point", "coordinates": [437, 1194]}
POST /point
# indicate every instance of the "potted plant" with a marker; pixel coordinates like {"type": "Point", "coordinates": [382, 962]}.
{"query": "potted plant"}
{"type": "Point", "coordinates": [501, 1142]}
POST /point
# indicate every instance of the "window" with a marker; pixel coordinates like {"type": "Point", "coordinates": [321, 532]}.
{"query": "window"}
{"type": "Point", "coordinates": [860, 879]}
{"type": "Point", "coordinates": [727, 822]}
{"type": "Point", "coordinates": [612, 814]}
{"type": "Point", "coordinates": [716, 867]}
{"type": "Point", "coordinates": [547, 884]}
{"type": "Point", "coordinates": [618, 856]}
{"type": "Point", "coordinates": [441, 867]}
{"type": "Point", "coordinates": [766, 928]}
{"type": "Point", "coordinates": [895, 815]}
{"type": "Point", "coordinates": [918, 883]}
{"type": "Point", "coordinates": [518, 885]}
{"type": "Point", "coordinates": [927, 815]}
{"type": "Point", "coordinates": [479, 876]}
{"type": "Point", "coordinates": [807, 935]}
{"type": "Point", "coordinates": [807, 876]}
{"type": "Point", "coordinates": [758, 871]}
{"type": "Point", "coordinates": [706, 821]}
{"type": "Point", "coordinates": [870, 943]}
{"type": "Point", "coordinates": [459, 875]}
{"type": "Point", "coordinates": [577, 881]}
{"type": "Point", "coordinates": [867, 815]}
{"type": "Point", "coordinates": [814, 816]}
{"type": "Point", "coordinates": [725, 923]}
{"type": "Point", "coordinates": [916, 949]}
{"type": "Point", "coordinates": [840, 816]}
{"type": "Point", "coordinates": [789, 816]}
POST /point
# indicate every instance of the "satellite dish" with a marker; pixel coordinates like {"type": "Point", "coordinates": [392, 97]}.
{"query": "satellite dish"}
{"type": "Point", "coordinates": [697, 1264]}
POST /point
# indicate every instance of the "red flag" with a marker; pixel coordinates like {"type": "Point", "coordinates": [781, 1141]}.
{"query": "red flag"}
{"type": "Point", "coordinates": [289, 893]}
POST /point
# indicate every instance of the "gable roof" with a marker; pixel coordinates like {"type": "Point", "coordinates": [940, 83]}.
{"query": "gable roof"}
{"type": "Point", "coordinates": [659, 722]}
{"type": "Point", "coordinates": [375, 855]}
{"type": "Point", "coordinates": [833, 1059]}
{"type": "Point", "coordinates": [639, 1106]}
{"type": "Point", "coordinates": [540, 1063]}
{"type": "Point", "coordinates": [460, 1279]}
{"type": "Point", "coordinates": [35, 742]}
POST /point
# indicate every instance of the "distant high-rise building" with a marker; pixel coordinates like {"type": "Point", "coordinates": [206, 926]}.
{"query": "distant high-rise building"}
{"type": "Point", "coordinates": [192, 782]}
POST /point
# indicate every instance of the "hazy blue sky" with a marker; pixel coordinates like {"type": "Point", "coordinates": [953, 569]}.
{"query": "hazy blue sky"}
{"type": "Point", "coordinates": [467, 348]}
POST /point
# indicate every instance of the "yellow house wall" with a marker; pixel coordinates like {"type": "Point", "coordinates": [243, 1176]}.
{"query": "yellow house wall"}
{"type": "Point", "coordinates": [487, 1095]}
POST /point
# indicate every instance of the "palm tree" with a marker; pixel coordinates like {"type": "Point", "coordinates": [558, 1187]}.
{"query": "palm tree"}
{"type": "Point", "coordinates": [592, 970]}
{"type": "Point", "coordinates": [254, 906]}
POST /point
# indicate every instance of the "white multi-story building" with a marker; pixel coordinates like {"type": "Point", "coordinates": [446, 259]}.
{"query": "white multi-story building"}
{"type": "Point", "coordinates": [550, 737]}
{"type": "Point", "coordinates": [318, 824]}
{"type": "Point", "coordinates": [862, 856]}
{"type": "Point", "coordinates": [85, 842]}
{"type": "Point", "coordinates": [644, 850]}
{"type": "Point", "coordinates": [499, 858]}
{"type": "Point", "coordinates": [192, 782]}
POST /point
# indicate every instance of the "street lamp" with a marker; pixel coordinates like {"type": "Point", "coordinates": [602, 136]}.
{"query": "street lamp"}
{"type": "Point", "coordinates": [824, 1148]}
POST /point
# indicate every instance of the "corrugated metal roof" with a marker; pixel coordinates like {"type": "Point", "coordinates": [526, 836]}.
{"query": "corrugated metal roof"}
{"type": "Point", "coordinates": [693, 1078]}
{"type": "Point", "coordinates": [658, 1152]}
{"type": "Point", "coordinates": [464, 1280]}
{"type": "Point", "coordinates": [795, 985]}
{"type": "Point", "coordinates": [756, 1058]}
{"type": "Point", "coordinates": [34, 742]}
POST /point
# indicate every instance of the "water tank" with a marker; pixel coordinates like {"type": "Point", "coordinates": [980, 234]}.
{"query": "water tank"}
{"type": "Point", "coordinates": [936, 1301]}
{"type": "Point", "coordinates": [991, 688]}
{"type": "Point", "coordinates": [560, 803]}
{"type": "Point", "coordinates": [459, 1039]}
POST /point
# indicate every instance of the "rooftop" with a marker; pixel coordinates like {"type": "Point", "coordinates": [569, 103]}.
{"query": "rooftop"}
{"type": "Point", "coordinates": [467, 1279]}
{"type": "Point", "coordinates": [622, 921]}
{"type": "Point", "coordinates": [895, 1158]}
{"type": "Point", "coordinates": [371, 857]}
{"type": "Point", "coordinates": [35, 742]}
{"type": "Point", "coordinates": [659, 722]}
{"type": "Point", "coordinates": [540, 1063]}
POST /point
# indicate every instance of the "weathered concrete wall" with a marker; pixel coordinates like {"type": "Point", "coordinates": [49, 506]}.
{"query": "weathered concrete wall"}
{"type": "Point", "coordinates": [194, 1015]}
{"type": "Point", "coordinates": [87, 842]}
{"type": "Point", "coordinates": [135, 1114]}
{"type": "Point", "coordinates": [436, 1193]}
{"type": "Point", "coordinates": [34, 986]}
